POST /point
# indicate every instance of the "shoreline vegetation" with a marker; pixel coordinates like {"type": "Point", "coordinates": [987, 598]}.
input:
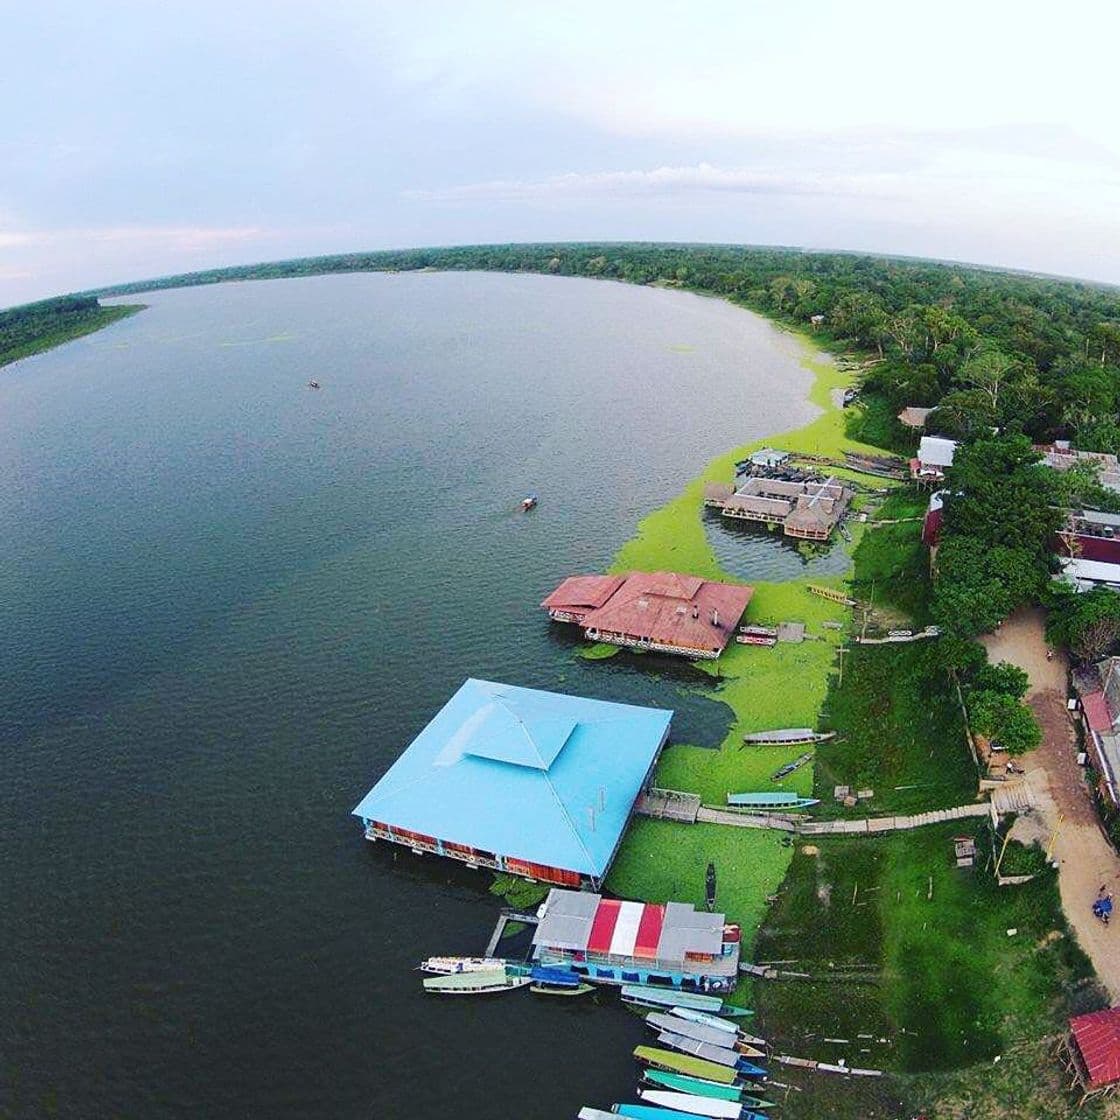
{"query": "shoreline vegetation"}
{"type": "Point", "coordinates": [954, 986]}
{"type": "Point", "coordinates": [37, 327]}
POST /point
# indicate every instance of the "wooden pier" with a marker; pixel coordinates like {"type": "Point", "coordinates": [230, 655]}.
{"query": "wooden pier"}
{"type": "Point", "coordinates": [504, 918]}
{"type": "Point", "coordinates": [669, 804]}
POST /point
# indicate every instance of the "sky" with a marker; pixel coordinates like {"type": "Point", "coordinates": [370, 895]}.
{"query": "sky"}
{"type": "Point", "coordinates": [140, 139]}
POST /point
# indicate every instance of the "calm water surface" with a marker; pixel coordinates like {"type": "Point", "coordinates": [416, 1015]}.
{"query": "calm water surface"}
{"type": "Point", "coordinates": [228, 602]}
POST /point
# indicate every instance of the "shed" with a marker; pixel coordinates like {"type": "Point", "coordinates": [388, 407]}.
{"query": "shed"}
{"type": "Point", "coordinates": [535, 783]}
{"type": "Point", "coordinates": [1092, 1051]}
{"type": "Point", "coordinates": [913, 417]}
{"type": "Point", "coordinates": [768, 457]}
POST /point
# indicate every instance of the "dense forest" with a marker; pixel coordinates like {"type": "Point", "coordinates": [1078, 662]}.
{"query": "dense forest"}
{"type": "Point", "coordinates": [1024, 353]}
{"type": "Point", "coordinates": [35, 327]}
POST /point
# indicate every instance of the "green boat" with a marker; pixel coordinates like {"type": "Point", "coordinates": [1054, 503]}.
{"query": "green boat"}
{"type": "Point", "coordinates": [686, 1064]}
{"type": "Point", "coordinates": [771, 801]}
{"type": "Point", "coordinates": [698, 1087]}
{"type": "Point", "coordinates": [669, 997]}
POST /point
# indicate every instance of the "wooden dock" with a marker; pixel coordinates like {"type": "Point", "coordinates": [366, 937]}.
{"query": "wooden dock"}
{"type": "Point", "coordinates": [669, 804]}
{"type": "Point", "coordinates": [504, 918]}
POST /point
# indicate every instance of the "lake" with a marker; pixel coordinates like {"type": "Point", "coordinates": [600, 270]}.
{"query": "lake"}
{"type": "Point", "coordinates": [228, 602]}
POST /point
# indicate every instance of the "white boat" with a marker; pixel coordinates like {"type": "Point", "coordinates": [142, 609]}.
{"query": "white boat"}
{"type": "Point", "coordinates": [475, 983]}
{"type": "Point", "coordinates": [697, 1106]}
{"type": "Point", "coordinates": [447, 966]}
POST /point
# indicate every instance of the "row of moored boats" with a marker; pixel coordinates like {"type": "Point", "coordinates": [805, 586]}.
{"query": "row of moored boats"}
{"type": "Point", "coordinates": [703, 1065]}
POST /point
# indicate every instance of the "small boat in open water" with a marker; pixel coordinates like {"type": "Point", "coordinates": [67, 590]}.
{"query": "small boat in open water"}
{"type": "Point", "coordinates": [475, 983]}
{"type": "Point", "coordinates": [529, 502]}
{"type": "Point", "coordinates": [313, 384]}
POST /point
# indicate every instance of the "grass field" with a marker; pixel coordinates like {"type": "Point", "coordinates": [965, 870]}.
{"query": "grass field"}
{"type": "Point", "coordinates": [944, 985]}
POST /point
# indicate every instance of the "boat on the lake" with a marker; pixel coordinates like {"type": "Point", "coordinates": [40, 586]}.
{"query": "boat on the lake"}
{"type": "Point", "coordinates": [701, 1032]}
{"type": "Point", "coordinates": [698, 1086]}
{"type": "Point", "coordinates": [445, 966]}
{"type": "Point", "coordinates": [788, 737]}
{"type": "Point", "coordinates": [775, 800]}
{"type": "Point", "coordinates": [651, 1112]}
{"type": "Point", "coordinates": [695, 1105]}
{"type": "Point", "coordinates": [557, 982]}
{"type": "Point", "coordinates": [717, 1055]}
{"type": "Point", "coordinates": [313, 384]}
{"type": "Point", "coordinates": [644, 996]}
{"type": "Point", "coordinates": [476, 983]}
{"type": "Point", "coordinates": [586, 1113]}
{"type": "Point", "coordinates": [529, 502]}
{"type": "Point", "coordinates": [660, 1058]}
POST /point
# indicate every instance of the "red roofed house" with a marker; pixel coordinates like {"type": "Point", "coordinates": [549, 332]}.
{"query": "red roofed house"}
{"type": "Point", "coordinates": [660, 611]}
{"type": "Point", "coordinates": [1092, 1052]}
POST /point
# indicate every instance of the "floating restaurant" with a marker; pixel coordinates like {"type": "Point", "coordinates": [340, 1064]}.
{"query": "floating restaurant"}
{"type": "Point", "coordinates": [613, 942]}
{"type": "Point", "coordinates": [537, 784]}
{"type": "Point", "coordinates": [807, 510]}
{"type": "Point", "coordinates": [660, 611]}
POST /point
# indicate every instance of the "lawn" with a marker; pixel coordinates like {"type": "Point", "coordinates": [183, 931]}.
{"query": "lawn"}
{"type": "Point", "coordinates": [899, 732]}
{"type": "Point", "coordinates": [944, 985]}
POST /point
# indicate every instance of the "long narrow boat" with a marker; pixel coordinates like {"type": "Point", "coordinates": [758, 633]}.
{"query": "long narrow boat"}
{"type": "Point", "coordinates": [698, 1030]}
{"type": "Point", "coordinates": [475, 983]}
{"type": "Point", "coordinates": [719, 1024]}
{"type": "Point", "coordinates": [717, 1055]}
{"type": "Point", "coordinates": [696, 1106]}
{"type": "Point", "coordinates": [649, 1112]}
{"type": "Point", "coordinates": [788, 737]}
{"type": "Point", "coordinates": [705, 1018]}
{"type": "Point", "coordinates": [775, 800]}
{"type": "Point", "coordinates": [669, 997]}
{"type": "Point", "coordinates": [586, 1113]}
{"type": "Point", "coordinates": [446, 966]}
{"type": "Point", "coordinates": [557, 982]}
{"type": "Point", "coordinates": [698, 1086]}
{"type": "Point", "coordinates": [684, 1063]}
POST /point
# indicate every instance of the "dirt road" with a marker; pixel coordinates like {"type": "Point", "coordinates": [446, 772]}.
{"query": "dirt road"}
{"type": "Point", "coordinates": [1086, 860]}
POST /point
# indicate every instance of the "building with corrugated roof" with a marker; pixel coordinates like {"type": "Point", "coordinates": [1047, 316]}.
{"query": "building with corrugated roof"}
{"type": "Point", "coordinates": [1092, 1052]}
{"type": "Point", "coordinates": [614, 942]}
{"type": "Point", "coordinates": [808, 510]}
{"type": "Point", "coordinates": [664, 612]}
{"type": "Point", "coordinates": [934, 458]}
{"type": "Point", "coordinates": [538, 784]}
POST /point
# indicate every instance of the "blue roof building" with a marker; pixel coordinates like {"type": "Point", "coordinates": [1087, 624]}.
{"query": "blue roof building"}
{"type": "Point", "coordinates": [534, 783]}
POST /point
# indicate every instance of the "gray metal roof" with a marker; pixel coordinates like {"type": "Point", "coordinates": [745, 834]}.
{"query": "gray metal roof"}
{"type": "Point", "coordinates": [686, 930]}
{"type": "Point", "coordinates": [567, 918]}
{"type": "Point", "coordinates": [936, 451]}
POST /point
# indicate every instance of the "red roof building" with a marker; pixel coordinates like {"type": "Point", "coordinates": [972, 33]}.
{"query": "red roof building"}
{"type": "Point", "coordinates": [661, 611]}
{"type": "Point", "coordinates": [1093, 1051]}
{"type": "Point", "coordinates": [578, 596]}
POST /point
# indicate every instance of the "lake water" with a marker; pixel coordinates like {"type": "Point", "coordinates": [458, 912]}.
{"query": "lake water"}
{"type": "Point", "coordinates": [228, 602]}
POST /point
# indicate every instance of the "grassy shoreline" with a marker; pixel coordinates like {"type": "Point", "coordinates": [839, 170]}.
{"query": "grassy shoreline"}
{"type": "Point", "coordinates": [89, 324]}
{"type": "Point", "coordinates": [783, 686]}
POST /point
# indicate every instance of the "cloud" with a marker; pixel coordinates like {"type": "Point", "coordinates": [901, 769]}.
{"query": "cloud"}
{"type": "Point", "coordinates": [177, 238]}
{"type": "Point", "coordinates": [700, 177]}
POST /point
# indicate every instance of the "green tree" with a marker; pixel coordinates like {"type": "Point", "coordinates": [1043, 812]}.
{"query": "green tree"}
{"type": "Point", "coordinates": [1002, 719]}
{"type": "Point", "coordinates": [1088, 622]}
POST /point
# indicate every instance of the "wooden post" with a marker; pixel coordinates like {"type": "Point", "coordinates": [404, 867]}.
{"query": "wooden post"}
{"type": "Point", "coordinates": [1054, 838]}
{"type": "Point", "coordinates": [1006, 841]}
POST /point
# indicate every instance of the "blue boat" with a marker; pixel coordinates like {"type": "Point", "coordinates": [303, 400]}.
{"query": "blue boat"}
{"type": "Point", "coordinates": [774, 800]}
{"type": "Point", "coordinates": [556, 977]}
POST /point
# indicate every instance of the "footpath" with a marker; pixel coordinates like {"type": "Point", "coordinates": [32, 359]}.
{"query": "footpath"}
{"type": "Point", "coordinates": [1086, 860]}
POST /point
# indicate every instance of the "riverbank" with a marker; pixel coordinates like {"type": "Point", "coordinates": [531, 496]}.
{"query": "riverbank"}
{"type": "Point", "coordinates": [39, 327]}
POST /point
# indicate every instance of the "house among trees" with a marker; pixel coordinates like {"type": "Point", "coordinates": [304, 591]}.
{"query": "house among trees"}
{"type": "Point", "coordinates": [913, 417]}
{"type": "Point", "coordinates": [1084, 575]}
{"type": "Point", "coordinates": [659, 611]}
{"type": "Point", "coordinates": [1098, 696]}
{"type": "Point", "coordinates": [806, 510]}
{"type": "Point", "coordinates": [1060, 456]}
{"type": "Point", "coordinates": [1090, 534]}
{"type": "Point", "coordinates": [935, 456]}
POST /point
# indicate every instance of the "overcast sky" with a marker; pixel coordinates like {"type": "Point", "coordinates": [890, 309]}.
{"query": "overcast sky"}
{"type": "Point", "coordinates": [140, 139]}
